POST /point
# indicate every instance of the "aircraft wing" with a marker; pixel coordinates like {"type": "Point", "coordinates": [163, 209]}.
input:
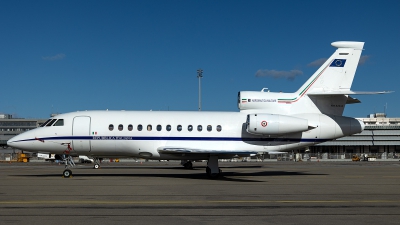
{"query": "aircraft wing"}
{"type": "Point", "coordinates": [183, 150]}
{"type": "Point", "coordinates": [277, 153]}
{"type": "Point", "coordinates": [348, 92]}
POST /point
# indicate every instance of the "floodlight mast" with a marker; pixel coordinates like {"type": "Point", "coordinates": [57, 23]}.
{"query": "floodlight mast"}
{"type": "Point", "coordinates": [199, 75]}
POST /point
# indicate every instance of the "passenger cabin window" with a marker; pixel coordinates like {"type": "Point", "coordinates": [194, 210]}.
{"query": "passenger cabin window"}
{"type": "Point", "coordinates": [190, 128]}
{"type": "Point", "coordinates": [209, 128]}
{"type": "Point", "coordinates": [219, 128]}
{"type": "Point", "coordinates": [44, 124]}
{"type": "Point", "coordinates": [159, 127]}
{"type": "Point", "coordinates": [120, 127]}
{"type": "Point", "coordinates": [130, 127]}
{"type": "Point", "coordinates": [51, 122]}
{"type": "Point", "coordinates": [179, 127]}
{"type": "Point", "coordinates": [149, 127]}
{"type": "Point", "coordinates": [199, 128]}
{"type": "Point", "coordinates": [59, 122]}
{"type": "Point", "coordinates": [139, 127]}
{"type": "Point", "coordinates": [110, 127]}
{"type": "Point", "coordinates": [168, 127]}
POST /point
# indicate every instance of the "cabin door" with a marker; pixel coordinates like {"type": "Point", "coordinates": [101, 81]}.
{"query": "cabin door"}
{"type": "Point", "coordinates": [81, 134]}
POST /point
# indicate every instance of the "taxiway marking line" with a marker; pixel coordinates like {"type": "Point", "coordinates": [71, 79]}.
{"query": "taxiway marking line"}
{"type": "Point", "coordinates": [196, 202]}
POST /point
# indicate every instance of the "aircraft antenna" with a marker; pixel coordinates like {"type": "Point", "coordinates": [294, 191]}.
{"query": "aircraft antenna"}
{"type": "Point", "coordinates": [199, 75]}
{"type": "Point", "coordinates": [384, 109]}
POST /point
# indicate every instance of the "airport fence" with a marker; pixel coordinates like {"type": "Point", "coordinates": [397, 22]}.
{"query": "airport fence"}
{"type": "Point", "coordinates": [332, 156]}
{"type": "Point", "coordinates": [7, 156]}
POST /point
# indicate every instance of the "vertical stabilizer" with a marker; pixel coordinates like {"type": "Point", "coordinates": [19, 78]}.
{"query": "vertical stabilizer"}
{"type": "Point", "coordinates": [337, 73]}
{"type": "Point", "coordinates": [334, 76]}
{"type": "Point", "coordinates": [326, 91]}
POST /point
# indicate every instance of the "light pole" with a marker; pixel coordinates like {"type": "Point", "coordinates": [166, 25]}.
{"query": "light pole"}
{"type": "Point", "coordinates": [199, 75]}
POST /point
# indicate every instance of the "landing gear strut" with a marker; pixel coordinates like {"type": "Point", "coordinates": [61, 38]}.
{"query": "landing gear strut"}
{"type": "Point", "coordinates": [68, 162]}
{"type": "Point", "coordinates": [212, 170]}
{"type": "Point", "coordinates": [67, 158]}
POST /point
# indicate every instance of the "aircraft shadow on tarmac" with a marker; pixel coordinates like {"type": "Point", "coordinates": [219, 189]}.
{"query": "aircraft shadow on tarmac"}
{"type": "Point", "coordinates": [168, 167]}
{"type": "Point", "coordinates": [198, 173]}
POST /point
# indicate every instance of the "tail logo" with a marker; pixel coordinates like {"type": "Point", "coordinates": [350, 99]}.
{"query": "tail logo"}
{"type": "Point", "coordinates": [338, 63]}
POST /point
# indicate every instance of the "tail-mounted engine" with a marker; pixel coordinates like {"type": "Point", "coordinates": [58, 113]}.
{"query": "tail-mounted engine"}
{"type": "Point", "coordinates": [258, 99]}
{"type": "Point", "coordinates": [270, 124]}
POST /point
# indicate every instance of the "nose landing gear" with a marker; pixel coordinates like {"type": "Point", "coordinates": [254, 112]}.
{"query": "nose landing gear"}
{"type": "Point", "coordinates": [96, 163]}
{"type": "Point", "coordinates": [69, 162]}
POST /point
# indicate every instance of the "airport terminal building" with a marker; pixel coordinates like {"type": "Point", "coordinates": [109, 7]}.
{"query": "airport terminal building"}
{"type": "Point", "coordinates": [10, 127]}
{"type": "Point", "coordinates": [380, 138]}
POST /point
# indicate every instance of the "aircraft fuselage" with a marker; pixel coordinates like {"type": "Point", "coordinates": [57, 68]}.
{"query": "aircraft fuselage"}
{"type": "Point", "coordinates": [145, 133]}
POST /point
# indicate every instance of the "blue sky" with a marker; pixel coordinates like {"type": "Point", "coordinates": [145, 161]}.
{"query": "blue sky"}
{"type": "Point", "coordinates": [63, 56]}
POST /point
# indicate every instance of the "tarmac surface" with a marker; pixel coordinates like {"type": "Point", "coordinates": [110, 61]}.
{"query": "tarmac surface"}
{"type": "Point", "coordinates": [165, 193]}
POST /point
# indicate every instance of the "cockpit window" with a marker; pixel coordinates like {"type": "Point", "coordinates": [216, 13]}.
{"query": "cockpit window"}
{"type": "Point", "coordinates": [51, 122]}
{"type": "Point", "coordinates": [59, 122]}
{"type": "Point", "coordinates": [44, 124]}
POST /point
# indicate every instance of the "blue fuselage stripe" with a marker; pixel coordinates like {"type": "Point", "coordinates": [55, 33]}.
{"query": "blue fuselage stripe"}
{"type": "Point", "coordinates": [164, 138]}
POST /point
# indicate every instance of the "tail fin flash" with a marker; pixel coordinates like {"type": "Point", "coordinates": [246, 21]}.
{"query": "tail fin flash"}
{"type": "Point", "coordinates": [337, 73]}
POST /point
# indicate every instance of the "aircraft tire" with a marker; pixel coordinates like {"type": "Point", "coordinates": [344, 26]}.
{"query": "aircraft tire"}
{"type": "Point", "coordinates": [67, 173]}
{"type": "Point", "coordinates": [213, 175]}
{"type": "Point", "coordinates": [188, 165]}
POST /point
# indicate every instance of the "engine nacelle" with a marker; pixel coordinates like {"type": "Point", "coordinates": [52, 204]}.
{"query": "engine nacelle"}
{"type": "Point", "coordinates": [270, 124]}
{"type": "Point", "coordinates": [256, 100]}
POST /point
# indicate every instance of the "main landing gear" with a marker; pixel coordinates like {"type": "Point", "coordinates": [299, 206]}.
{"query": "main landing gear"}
{"type": "Point", "coordinates": [212, 170]}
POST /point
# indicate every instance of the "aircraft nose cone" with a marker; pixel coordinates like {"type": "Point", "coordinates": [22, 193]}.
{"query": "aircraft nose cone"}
{"type": "Point", "coordinates": [13, 142]}
{"type": "Point", "coordinates": [21, 141]}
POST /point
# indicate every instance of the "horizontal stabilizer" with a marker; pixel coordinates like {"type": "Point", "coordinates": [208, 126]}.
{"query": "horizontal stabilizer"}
{"type": "Point", "coordinates": [179, 150]}
{"type": "Point", "coordinates": [348, 92]}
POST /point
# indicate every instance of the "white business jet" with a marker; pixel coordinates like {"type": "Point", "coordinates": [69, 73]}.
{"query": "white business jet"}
{"type": "Point", "coordinates": [267, 122]}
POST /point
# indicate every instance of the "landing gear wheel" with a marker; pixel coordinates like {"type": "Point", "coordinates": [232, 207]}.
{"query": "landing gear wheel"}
{"type": "Point", "coordinates": [67, 173]}
{"type": "Point", "coordinates": [96, 166]}
{"type": "Point", "coordinates": [188, 165]}
{"type": "Point", "coordinates": [213, 175]}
